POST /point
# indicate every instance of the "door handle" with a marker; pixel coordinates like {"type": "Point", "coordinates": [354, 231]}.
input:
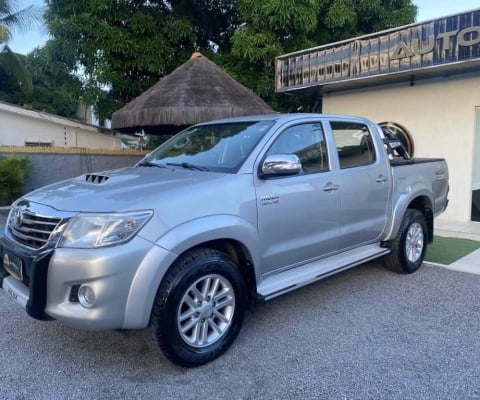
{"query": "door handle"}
{"type": "Point", "coordinates": [381, 179]}
{"type": "Point", "coordinates": [330, 187]}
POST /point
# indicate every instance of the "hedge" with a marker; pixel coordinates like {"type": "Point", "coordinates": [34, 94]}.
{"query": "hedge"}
{"type": "Point", "coordinates": [13, 172]}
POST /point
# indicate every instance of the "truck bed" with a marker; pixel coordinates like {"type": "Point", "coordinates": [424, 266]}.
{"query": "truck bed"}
{"type": "Point", "coordinates": [396, 162]}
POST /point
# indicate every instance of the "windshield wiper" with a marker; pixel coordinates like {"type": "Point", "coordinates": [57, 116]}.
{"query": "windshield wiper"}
{"type": "Point", "coordinates": [150, 164]}
{"type": "Point", "coordinates": [188, 166]}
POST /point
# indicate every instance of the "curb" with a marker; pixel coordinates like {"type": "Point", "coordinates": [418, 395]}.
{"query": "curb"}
{"type": "Point", "coordinates": [434, 264]}
{"type": "Point", "coordinates": [467, 269]}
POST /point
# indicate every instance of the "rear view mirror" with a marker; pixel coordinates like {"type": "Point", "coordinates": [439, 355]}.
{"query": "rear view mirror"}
{"type": "Point", "coordinates": [280, 165]}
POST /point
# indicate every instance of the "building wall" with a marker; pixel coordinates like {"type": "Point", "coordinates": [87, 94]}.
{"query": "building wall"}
{"type": "Point", "coordinates": [50, 167]}
{"type": "Point", "coordinates": [440, 115]}
{"type": "Point", "coordinates": [19, 125]}
{"type": "Point", "coordinates": [476, 158]}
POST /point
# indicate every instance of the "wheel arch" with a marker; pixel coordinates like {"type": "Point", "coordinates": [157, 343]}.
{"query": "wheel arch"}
{"type": "Point", "coordinates": [147, 281]}
{"type": "Point", "coordinates": [241, 256]}
{"type": "Point", "coordinates": [422, 203]}
{"type": "Point", "coordinates": [234, 236]}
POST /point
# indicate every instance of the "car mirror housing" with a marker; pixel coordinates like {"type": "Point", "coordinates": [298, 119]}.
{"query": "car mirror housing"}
{"type": "Point", "coordinates": [280, 165]}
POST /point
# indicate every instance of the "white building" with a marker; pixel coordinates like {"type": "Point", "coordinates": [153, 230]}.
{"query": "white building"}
{"type": "Point", "coordinates": [20, 126]}
{"type": "Point", "coordinates": [424, 76]}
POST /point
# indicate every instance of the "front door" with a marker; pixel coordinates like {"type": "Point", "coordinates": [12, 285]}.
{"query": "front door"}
{"type": "Point", "coordinates": [298, 216]}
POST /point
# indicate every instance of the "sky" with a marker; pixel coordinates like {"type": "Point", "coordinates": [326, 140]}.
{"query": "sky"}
{"type": "Point", "coordinates": [427, 9]}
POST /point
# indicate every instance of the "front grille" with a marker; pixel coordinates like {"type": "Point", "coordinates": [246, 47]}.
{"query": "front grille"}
{"type": "Point", "coordinates": [32, 230]}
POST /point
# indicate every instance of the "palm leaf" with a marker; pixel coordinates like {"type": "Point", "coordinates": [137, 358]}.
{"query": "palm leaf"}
{"type": "Point", "coordinates": [13, 19]}
{"type": "Point", "coordinates": [14, 66]}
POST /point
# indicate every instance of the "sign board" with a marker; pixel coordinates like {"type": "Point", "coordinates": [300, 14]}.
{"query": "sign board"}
{"type": "Point", "coordinates": [410, 48]}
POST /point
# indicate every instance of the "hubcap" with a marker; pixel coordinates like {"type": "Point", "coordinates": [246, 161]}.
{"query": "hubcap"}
{"type": "Point", "coordinates": [206, 311]}
{"type": "Point", "coordinates": [414, 242]}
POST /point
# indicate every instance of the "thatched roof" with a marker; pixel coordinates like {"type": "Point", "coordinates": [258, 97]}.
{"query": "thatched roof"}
{"type": "Point", "coordinates": [197, 91]}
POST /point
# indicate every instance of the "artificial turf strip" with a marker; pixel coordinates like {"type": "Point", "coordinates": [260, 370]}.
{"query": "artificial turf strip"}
{"type": "Point", "coordinates": [446, 250]}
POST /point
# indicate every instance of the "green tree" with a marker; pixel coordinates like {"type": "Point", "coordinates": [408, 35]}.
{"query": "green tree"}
{"type": "Point", "coordinates": [125, 46]}
{"type": "Point", "coordinates": [13, 174]}
{"type": "Point", "coordinates": [56, 88]}
{"type": "Point", "coordinates": [275, 27]}
{"type": "Point", "coordinates": [122, 47]}
{"type": "Point", "coordinates": [14, 19]}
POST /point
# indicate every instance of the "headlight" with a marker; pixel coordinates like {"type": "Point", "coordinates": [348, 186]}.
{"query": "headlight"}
{"type": "Point", "coordinates": [99, 230]}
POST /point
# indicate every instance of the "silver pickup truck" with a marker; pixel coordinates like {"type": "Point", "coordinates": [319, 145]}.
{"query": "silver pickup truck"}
{"type": "Point", "coordinates": [223, 214]}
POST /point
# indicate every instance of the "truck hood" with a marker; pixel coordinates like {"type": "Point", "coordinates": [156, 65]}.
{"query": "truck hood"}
{"type": "Point", "coordinates": [124, 189]}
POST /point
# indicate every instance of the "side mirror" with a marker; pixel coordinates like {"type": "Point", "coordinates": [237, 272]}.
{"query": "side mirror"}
{"type": "Point", "coordinates": [280, 165]}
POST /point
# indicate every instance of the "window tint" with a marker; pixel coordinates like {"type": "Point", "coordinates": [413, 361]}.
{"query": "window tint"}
{"type": "Point", "coordinates": [354, 144]}
{"type": "Point", "coordinates": [307, 141]}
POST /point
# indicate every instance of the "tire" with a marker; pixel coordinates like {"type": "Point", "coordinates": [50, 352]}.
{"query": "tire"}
{"type": "Point", "coordinates": [199, 308]}
{"type": "Point", "coordinates": [409, 247]}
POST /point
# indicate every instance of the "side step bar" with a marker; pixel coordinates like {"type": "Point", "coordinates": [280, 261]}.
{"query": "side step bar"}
{"type": "Point", "coordinates": [294, 278]}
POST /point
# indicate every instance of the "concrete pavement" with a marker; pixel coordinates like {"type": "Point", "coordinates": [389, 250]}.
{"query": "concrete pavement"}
{"type": "Point", "coordinates": [470, 263]}
{"type": "Point", "coordinates": [364, 334]}
{"type": "Point", "coordinates": [462, 230]}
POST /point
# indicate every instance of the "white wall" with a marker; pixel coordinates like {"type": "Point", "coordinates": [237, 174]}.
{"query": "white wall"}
{"type": "Point", "coordinates": [440, 115]}
{"type": "Point", "coordinates": [18, 125]}
{"type": "Point", "coordinates": [476, 160]}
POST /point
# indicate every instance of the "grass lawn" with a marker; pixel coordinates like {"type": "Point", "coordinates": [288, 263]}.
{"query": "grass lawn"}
{"type": "Point", "coordinates": [446, 251]}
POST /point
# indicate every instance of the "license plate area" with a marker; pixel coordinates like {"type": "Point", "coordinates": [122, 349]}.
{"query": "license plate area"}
{"type": "Point", "coordinates": [13, 265]}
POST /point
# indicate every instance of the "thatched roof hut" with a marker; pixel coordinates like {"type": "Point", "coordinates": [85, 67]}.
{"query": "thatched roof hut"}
{"type": "Point", "coordinates": [197, 91]}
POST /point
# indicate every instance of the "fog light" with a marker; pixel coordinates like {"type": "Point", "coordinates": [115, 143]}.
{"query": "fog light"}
{"type": "Point", "coordinates": [86, 296]}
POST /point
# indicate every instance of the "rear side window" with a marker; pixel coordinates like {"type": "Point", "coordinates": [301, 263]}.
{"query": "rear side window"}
{"type": "Point", "coordinates": [354, 144]}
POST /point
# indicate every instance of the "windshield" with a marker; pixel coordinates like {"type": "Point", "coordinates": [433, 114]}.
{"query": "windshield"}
{"type": "Point", "coordinates": [217, 147]}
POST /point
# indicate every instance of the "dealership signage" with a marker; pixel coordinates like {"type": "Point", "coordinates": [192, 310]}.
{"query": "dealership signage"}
{"type": "Point", "coordinates": [406, 49]}
{"type": "Point", "coordinates": [465, 38]}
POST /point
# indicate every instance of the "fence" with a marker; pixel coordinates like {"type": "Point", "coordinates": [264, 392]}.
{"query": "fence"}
{"type": "Point", "coordinates": [50, 165]}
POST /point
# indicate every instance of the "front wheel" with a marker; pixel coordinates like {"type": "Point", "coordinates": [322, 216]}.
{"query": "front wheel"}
{"type": "Point", "coordinates": [199, 308]}
{"type": "Point", "coordinates": [409, 247]}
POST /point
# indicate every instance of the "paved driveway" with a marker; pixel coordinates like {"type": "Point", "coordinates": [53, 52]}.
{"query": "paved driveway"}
{"type": "Point", "coordinates": [364, 334]}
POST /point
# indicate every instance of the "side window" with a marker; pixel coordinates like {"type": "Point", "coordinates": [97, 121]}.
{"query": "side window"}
{"type": "Point", "coordinates": [307, 141]}
{"type": "Point", "coordinates": [354, 144]}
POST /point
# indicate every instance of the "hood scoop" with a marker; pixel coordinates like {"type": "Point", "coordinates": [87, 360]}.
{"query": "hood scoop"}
{"type": "Point", "coordinates": [96, 179]}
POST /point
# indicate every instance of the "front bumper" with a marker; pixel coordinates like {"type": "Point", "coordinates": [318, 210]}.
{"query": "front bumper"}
{"type": "Point", "coordinates": [31, 291]}
{"type": "Point", "coordinates": [124, 279]}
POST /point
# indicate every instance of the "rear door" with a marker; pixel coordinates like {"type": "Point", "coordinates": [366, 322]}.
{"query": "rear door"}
{"type": "Point", "coordinates": [299, 215]}
{"type": "Point", "coordinates": [364, 180]}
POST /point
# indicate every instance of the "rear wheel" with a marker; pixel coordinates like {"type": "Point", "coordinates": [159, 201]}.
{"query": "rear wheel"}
{"type": "Point", "coordinates": [199, 308]}
{"type": "Point", "coordinates": [409, 247]}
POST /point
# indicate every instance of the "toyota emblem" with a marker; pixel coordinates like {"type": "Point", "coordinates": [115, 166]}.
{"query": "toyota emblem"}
{"type": "Point", "coordinates": [17, 217]}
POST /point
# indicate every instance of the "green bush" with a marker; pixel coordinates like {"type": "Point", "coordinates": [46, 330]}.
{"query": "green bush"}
{"type": "Point", "coordinates": [13, 172]}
